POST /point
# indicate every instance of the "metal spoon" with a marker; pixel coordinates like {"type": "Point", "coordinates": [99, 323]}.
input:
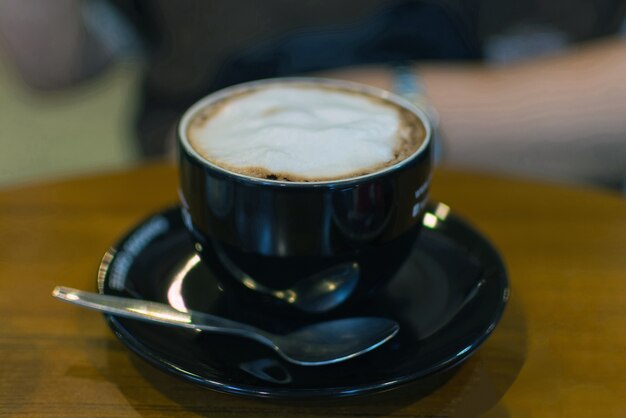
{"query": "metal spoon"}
{"type": "Point", "coordinates": [318, 293]}
{"type": "Point", "coordinates": [314, 345]}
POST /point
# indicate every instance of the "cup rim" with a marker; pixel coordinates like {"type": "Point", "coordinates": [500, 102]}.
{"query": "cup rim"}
{"type": "Point", "coordinates": [216, 96]}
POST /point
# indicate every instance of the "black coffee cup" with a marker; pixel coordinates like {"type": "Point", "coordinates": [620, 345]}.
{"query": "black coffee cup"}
{"type": "Point", "coordinates": [276, 233]}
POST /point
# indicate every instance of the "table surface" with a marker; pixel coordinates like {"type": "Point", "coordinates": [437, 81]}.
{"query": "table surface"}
{"type": "Point", "coordinates": [558, 351]}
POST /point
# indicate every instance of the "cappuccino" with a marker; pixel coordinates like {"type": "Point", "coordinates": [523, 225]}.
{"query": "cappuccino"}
{"type": "Point", "coordinates": [304, 132]}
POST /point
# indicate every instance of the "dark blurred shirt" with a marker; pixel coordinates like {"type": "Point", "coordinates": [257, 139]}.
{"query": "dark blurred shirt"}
{"type": "Point", "coordinates": [195, 47]}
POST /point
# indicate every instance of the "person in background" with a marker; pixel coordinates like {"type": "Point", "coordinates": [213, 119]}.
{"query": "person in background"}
{"type": "Point", "coordinates": [513, 92]}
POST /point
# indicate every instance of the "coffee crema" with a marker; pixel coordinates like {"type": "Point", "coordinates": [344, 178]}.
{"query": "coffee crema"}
{"type": "Point", "coordinates": [304, 132]}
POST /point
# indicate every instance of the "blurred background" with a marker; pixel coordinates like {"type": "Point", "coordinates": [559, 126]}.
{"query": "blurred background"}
{"type": "Point", "coordinates": [56, 134]}
{"type": "Point", "coordinates": [96, 85]}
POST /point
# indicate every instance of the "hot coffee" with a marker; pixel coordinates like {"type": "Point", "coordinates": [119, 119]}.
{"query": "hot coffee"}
{"type": "Point", "coordinates": [304, 132]}
{"type": "Point", "coordinates": [288, 178]}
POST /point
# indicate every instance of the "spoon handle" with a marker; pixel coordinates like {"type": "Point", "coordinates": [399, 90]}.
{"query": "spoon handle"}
{"type": "Point", "coordinates": [151, 311]}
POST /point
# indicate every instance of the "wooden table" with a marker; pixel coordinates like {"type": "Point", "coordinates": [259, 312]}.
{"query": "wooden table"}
{"type": "Point", "coordinates": [558, 352]}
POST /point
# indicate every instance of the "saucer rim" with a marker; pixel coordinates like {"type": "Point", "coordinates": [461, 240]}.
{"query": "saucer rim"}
{"type": "Point", "coordinates": [286, 393]}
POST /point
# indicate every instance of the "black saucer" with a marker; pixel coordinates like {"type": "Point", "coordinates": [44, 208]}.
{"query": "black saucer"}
{"type": "Point", "coordinates": [448, 297]}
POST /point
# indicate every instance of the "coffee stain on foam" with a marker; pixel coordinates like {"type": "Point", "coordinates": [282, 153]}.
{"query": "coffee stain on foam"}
{"type": "Point", "coordinates": [272, 111]}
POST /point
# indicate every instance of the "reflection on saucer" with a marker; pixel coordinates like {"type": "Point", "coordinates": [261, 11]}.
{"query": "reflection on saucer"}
{"type": "Point", "coordinates": [267, 369]}
{"type": "Point", "coordinates": [174, 292]}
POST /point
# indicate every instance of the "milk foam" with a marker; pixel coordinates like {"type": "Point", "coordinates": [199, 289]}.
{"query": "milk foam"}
{"type": "Point", "coordinates": [299, 133]}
